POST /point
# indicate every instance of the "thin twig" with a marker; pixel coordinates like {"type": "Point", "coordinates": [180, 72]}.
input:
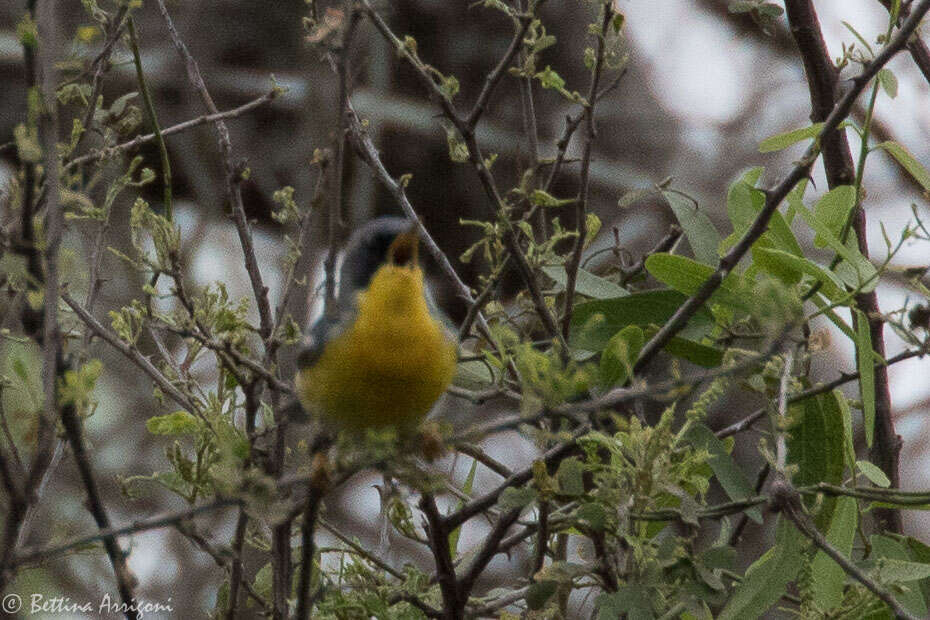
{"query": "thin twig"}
{"type": "Point", "coordinates": [581, 205]}
{"type": "Point", "coordinates": [774, 196]}
{"type": "Point", "coordinates": [139, 140]}
{"type": "Point", "coordinates": [747, 422]}
{"type": "Point", "coordinates": [143, 525]}
{"type": "Point", "coordinates": [787, 499]}
{"type": "Point", "coordinates": [132, 353]}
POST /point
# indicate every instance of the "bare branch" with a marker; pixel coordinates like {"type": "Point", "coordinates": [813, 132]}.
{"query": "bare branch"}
{"type": "Point", "coordinates": [581, 205]}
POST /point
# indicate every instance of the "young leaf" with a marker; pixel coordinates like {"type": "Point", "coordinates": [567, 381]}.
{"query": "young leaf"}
{"type": "Point", "coordinates": [587, 283]}
{"type": "Point", "coordinates": [828, 578]}
{"type": "Point", "coordinates": [698, 228]}
{"type": "Point", "coordinates": [874, 473]}
{"type": "Point", "coordinates": [730, 476]}
{"type": "Point", "coordinates": [908, 162]}
{"type": "Point", "coordinates": [767, 578]}
{"type": "Point", "coordinates": [595, 322]}
{"type": "Point", "coordinates": [784, 140]}
{"type": "Point", "coordinates": [889, 82]}
{"type": "Point", "coordinates": [833, 209]}
{"type": "Point", "coordinates": [686, 275]}
{"type": "Point", "coordinates": [866, 375]}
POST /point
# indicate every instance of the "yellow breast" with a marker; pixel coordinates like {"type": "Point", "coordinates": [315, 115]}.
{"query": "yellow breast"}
{"type": "Point", "coordinates": [389, 367]}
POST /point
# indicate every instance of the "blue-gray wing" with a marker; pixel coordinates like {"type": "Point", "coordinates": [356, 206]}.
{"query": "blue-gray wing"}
{"type": "Point", "coordinates": [323, 330]}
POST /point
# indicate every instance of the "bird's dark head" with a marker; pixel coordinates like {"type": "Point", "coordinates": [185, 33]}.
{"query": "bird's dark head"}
{"type": "Point", "coordinates": [369, 247]}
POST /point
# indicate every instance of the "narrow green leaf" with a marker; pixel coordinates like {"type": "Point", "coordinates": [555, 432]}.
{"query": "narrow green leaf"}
{"type": "Point", "coordinates": [789, 268]}
{"type": "Point", "coordinates": [698, 228]}
{"type": "Point", "coordinates": [694, 352]}
{"type": "Point", "coordinates": [595, 322]}
{"type": "Point", "coordinates": [849, 446]}
{"type": "Point", "coordinates": [686, 275]}
{"type": "Point", "coordinates": [865, 270]}
{"type": "Point", "coordinates": [784, 140]}
{"type": "Point", "coordinates": [828, 577]}
{"type": "Point", "coordinates": [467, 488]}
{"type": "Point", "coordinates": [768, 577]}
{"type": "Point", "coordinates": [815, 446]}
{"type": "Point", "coordinates": [895, 566]}
{"type": "Point", "coordinates": [728, 473]}
{"type": "Point", "coordinates": [866, 375]}
{"type": "Point", "coordinates": [586, 283]}
{"type": "Point", "coordinates": [832, 210]}
{"type": "Point", "coordinates": [874, 473]}
{"type": "Point", "coordinates": [908, 162]}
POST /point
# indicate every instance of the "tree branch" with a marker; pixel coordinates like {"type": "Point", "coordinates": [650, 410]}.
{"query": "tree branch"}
{"type": "Point", "coordinates": [774, 196]}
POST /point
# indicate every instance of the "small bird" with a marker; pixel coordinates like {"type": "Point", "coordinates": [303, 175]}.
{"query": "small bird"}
{"type": "Point", "coordinates": [381, 358]}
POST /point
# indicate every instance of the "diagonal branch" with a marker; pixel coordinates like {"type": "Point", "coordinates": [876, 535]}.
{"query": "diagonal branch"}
{"type": "Point", "coordinates": [774, 196]}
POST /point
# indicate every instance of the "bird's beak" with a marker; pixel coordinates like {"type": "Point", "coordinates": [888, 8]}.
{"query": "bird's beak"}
{"type": "Point", "coordinates": [404, 249]}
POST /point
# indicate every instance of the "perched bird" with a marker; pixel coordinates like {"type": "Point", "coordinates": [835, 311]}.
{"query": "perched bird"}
{"type": "Point", "coordinates": [381, 358]}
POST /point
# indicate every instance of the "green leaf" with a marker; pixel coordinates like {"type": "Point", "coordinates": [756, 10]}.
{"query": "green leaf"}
{"type": "Point", "coordinates": [571, 477]}
{"type": "Point", "coordinates": [540, 592]}
{"type": "Point", "coordinates": [889, 82]}
{"type": "Point", "coordinates": [766, 580]}
{"type": "Point", "coordinates": [177, 423]}
{"type": "Point", "coordinates": [832, 210]}
{"type": "Point", "coordinates": [586, 283]}
{"type": "Point", "coordinates": [686, 275]}
{"type": "Point", "coordinates": [694, 352]}
{"type": "Point", "coordinates": [866, 375]}
{"type": "Point", "coordinates": [466, 488]}
{"type": "Point", "coordinates": [729, 474]}
{"type": "Point", "coordinates": [698, 228]}
{"type": "Point", "coordinates": [900, 571]}
{"type": "Point", "coordinates": [594, 514]}
{"type": "Point", "coordinates": [816, 446]}
{"type": "Point", "coordinates": [541, 198]}
{"type": "Point", "coordinates": [595, 322]}
{"type": "Point", "coordinates": [895, 566]}
{"type": "Point", "coordinates": [789, 268]}
{"type": "Point", "coordinates": [828, 577]}
{"type": "Point", "coordinates": [630, 601]}
{"type": "Point", "coordinates": [874, 473]}
{"type": "Point", "coordinates": [620, 354]}
{"type": "Point", "coordinates": [865, 271]}
{"type": "Point", "coordinates": [744, 201]}
{"type": "Point", "coordinates": [784, 140]}
{"type": "Point", "coordinates": [849, 446]}
{"type": "Point", "coordinates": [514, 497]}
{"type": "Point", "coordinates": [908, 162]}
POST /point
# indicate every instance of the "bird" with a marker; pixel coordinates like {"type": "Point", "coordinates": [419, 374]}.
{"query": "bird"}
{"type": "Point", "coordinates": [382, 356]}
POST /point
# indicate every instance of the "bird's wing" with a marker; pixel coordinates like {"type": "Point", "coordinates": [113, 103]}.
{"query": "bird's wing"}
{"type": "Point", "coordinates": [325, 329]}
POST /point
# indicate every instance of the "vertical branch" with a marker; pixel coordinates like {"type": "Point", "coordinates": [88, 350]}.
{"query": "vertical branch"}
{"type": "Point", "coordinates": [308, 550]}
{"type": "Point", "coordinates": [438, 532]}
{"type": "Point", "coordinates": [582, 203]}
{"type": "Point", "coordinates": [339, 57]}
{"type": "Point", "coordinates": [822, 79]}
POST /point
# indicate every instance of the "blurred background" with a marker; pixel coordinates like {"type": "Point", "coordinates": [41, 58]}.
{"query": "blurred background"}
{"type": "Point", "coordinates": [703, 88]}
